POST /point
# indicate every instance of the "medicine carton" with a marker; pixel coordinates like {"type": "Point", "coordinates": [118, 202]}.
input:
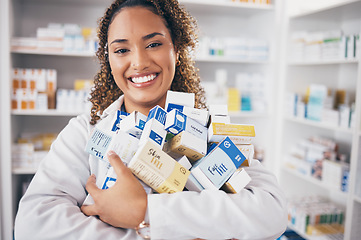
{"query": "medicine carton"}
{"type": "Point", "coordinates": [98, 143]}
{"type": "Point", "coordinates": [117, 118]}
{"type": "Point", "coordinates": [218, 109]}
{"type": "Point", "coordinates": [158, 170]}
{"type": "Point", "coordinates": [184, 162]}
{"type": "Point", "coordinates": [238, 133]}
{"type": "Point", "coordinates": [154, 127]}
{"type": "Point", "coordinates": [192, 184]}
{"type": "Point", "coordinates": [177, 122]}
{"type": "Point", "coordinates": [133, 124]}
{"type": "Point", "coordinates": [124, 145]}
{"type": "Point", "coordinates": [218, 165]}
{"type": "Point", "coordinates": [200, 115]}
{"type": "Point", "coordinates": [237, 181]}
{"type": "Point", "coordinates": [248, 151]}
{"type": "Point", "coordinates": [189, 145]}
{"type": "Point", "coordinates": [180, 98]}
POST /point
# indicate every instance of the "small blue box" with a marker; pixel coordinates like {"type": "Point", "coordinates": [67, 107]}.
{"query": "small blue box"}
{"type": "Point", "coordinates": [219, 164]}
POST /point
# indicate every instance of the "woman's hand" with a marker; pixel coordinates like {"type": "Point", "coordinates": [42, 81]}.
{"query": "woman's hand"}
{"type": "Point", "coordinates": [122, 205]}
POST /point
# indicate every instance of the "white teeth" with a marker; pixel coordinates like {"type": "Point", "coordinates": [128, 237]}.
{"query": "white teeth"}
{"type": "Point", "coordinates": [143, 79]}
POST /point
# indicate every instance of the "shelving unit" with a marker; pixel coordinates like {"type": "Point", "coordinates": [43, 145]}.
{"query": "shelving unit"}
{"type": "Point", "coordinates": [346, 74]}
{"type": "Point", "coordinates": [21, 18]}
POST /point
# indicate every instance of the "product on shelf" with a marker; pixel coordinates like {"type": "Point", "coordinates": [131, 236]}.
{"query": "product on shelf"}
{"type": "Point", "coordinates": [249, 93]}
{"type": "Point", "coordinates": [57, 37]}
{"type": "Point", "coordinates": [314, 215]}
{"type": "Point", "coordinates": [233, 48]}
{"type": "Point", "coordinates": [319, 157]}
{"type": "Point", "coordinates": [321, 104]}
{"type": "Point", "coordinates": [30, 149]}
{"type": "Point", "coordinates": [33, 88]}
{"type": "Point", "coordinates": [324, 45]}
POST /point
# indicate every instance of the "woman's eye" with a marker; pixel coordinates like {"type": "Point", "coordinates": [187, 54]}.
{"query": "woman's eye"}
{"type": "Point", "coordinates": [152, 45]}
{"type": "Point", "coordinates": [121, 51]}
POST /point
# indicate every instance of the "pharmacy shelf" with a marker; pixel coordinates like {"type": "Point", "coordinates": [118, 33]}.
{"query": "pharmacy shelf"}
{"type": "Point", "coordinates": [315, 182]}
{"type": "Point", "coordinates": [74, 2]}
{"type": "Point", "coordinates": [216, 5]}
{"type": "Point", "coordinates": [24, 171]}
{"type": "Point", "coordinates": [331, 9]}
{"type": "Point", "coordinates": [319, 125]}
{"type": "Point", "coordinates": [49, 112]}
{"type": "Point", "coordinates": [230, 60]}
{"type": "Point", "coordinates": [305, 236]}
{"type": "Point", "coordinates": [54, 53]}
{"type": "Point", "coordinates": [309, 237]}
{"type": "Point", "coordinates": [323, 62]}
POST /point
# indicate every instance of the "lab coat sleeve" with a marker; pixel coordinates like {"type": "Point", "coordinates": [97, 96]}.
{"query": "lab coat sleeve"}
{"type": "Point", "coordinates": [50, 208]}
{"type": "Point", "coordinates": [256, 212]}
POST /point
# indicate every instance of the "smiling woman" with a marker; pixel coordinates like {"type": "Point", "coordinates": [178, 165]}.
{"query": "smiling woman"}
{"type": "Point", "coordinates": [158, 34]}
{"type": "Point", "coordinates": [142, 58]}
{"type": "Point", "coordinates": [144, 51]}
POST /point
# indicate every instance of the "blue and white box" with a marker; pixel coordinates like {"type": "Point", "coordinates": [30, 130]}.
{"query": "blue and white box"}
{"type": "Point", "coordinates": [118, 118]}
{"type": "Point", "coordinates": [154, 127]}
{"type": "Point", "coordinates": [200, 115]}
{"type": "Point", "coordinates": [177, 122]}
{"type": "Point", "coordinates": [133, 124]}
{"type": "Point", "coordinates": [180, 98]}
{"type": "Point", "coordinates": [98, 143]}
{"type": "Point", "coordinates": [219, 165]}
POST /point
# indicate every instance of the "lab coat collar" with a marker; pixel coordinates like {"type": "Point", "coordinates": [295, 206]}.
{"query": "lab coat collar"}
{"type": "Point", "coordinates": [113, 107]}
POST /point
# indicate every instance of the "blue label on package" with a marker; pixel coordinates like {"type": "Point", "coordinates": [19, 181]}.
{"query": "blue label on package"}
{"type": "Point", "coordinates": [158, 114]}
{"type": "Point", "coordinates": [98, 144]}
{"type": "Point", "coordinates": [232, 151]}
{"type": "Point", "coordinates": [120, 116]}
{"type": "Point", "coordinates": [172, 106]}
{"type": "Point", "coordinates": [179, 123]}
{"type": "Point", "coordinates": [109, 181]}
{"type": "Point", "coordinates": [155, 137]}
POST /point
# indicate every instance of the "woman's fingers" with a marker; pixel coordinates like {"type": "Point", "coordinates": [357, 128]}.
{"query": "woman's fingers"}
{"type": "Point", "coordinates": [116, 163]}
{"type": "Point", "coordinates": [91, 186]}
{"type": "Point", "coordinates": [89, 210]}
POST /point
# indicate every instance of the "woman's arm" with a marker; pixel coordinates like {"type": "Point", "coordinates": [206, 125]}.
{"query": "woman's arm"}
{"type": "Point", "coordinates": [257, 212]}
{"type": "Point", "coordinates": [50, 209]}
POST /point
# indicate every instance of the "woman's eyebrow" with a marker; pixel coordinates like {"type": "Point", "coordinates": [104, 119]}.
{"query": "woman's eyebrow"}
{"type": "Point", "coordinates": [151, 35]}
{"type": "Point", "coordinates": [118, 41]}
{"type": "Point", "coordinates": [146, 37]}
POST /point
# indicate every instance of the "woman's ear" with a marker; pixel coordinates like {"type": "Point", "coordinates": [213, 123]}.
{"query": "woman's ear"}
{"type": "Point", "coordinates": [177, 59]}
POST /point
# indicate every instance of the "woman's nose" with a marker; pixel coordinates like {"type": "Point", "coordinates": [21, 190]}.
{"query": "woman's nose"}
{"type": "Point", "coordinates": [140, 59]}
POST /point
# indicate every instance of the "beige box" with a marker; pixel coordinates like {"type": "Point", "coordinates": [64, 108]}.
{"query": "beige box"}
{"type": "Point", "coordinates": [248, 151]}
{"type": "Point", "coordinates": [189, 145]}
{"type": "Point", "coordinates": [158, 170]}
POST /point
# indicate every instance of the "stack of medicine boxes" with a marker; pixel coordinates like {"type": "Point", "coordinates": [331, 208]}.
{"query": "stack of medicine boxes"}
{"type": "Point", "coordinates": [177, 148]}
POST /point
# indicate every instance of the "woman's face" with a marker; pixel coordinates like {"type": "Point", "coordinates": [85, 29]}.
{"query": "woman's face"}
{"type": "Point", "coordinates": [142, 57]}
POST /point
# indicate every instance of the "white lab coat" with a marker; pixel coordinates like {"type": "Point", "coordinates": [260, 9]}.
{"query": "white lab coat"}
{"type": "Point", "coordinates": [50, 208]}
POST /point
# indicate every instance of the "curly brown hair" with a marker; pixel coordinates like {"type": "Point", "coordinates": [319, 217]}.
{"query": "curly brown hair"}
{"type": "Point", "coordinates": [182, 27]}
